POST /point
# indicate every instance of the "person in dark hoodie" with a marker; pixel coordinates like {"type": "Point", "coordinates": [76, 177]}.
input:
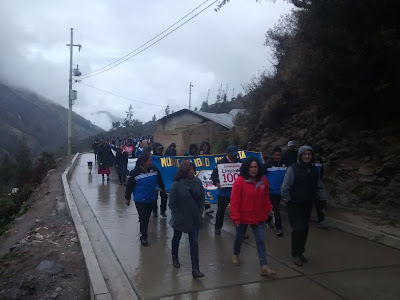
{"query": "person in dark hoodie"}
{"type": "Point", "coordinates": [301, 188]}
{"type": "Point", "coordinates": [319, 163]}
{"type": "Point", "coordinates": [143, 181]}
{"type": "Point", "coordinates": [105, 159]}
{"type": "Point", "coordinates": [186, 203]}
{"type": "Point", "coordinates": [192, 150]}
{"type": "Point", "coordinates": [223, 194]}
{"type": "Point", "coordinates": [158, 151]}
{"type": "Point", "coordinates": [289, 157]}
{"type": "Point", "coordinates": [275, 172]}
{"type": "Point", "coordinates": [121, 164]}
{"type": "Point", "coordinates": [171, 150]}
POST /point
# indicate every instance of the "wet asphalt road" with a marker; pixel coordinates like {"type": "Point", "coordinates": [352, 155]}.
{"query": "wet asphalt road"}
{"type": "Point", "coordinates": [341, 265]}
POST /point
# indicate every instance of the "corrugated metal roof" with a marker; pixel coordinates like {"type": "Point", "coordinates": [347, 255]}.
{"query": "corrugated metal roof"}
{"type": "Point", "coordinates": [225, 120]}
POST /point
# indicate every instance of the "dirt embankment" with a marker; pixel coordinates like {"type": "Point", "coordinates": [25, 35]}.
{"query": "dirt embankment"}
{"type": "Point", "coordinates": [362, 167]}
{"type": "Point", "coordinates": [40, 254]}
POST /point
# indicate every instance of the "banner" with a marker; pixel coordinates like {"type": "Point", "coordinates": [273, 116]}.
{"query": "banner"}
{"type": "Point", "coordinates": [205, 164]}
{"type": "Point", "coordinates": [228, 174]}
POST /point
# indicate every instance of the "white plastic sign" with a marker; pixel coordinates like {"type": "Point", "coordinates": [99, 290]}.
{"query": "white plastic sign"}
{"type": "Point", "coordinates": [228, 174]}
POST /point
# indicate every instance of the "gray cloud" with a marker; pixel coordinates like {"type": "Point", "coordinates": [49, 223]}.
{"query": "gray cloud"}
{"type": "Point", "coordinates": [214, 48]}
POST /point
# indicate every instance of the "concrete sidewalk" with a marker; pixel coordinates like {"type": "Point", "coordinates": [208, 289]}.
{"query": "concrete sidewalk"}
{"type": "Point", "coordinates": [341, 265]}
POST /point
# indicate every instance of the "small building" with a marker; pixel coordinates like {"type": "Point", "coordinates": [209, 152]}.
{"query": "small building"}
{"type": "Point", "coordinates": [186, 127]}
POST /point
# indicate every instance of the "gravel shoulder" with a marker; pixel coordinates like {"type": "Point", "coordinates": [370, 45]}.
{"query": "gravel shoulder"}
{"type": "Point", "coordinates": [40, 255]}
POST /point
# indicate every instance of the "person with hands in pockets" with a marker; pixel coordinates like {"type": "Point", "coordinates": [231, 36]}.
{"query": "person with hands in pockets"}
{"type": "Point", "coordinates": [301, 188]}
{"type": "Point", "coordinates": [250, 205]}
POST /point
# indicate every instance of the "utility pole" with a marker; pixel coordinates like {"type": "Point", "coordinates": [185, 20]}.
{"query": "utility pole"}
{"type": "Point", "coordinates": [190, 95]}
{"type": "Point", "coordinates": [71, 95]}
{"type": "Point", "coordinates": [208, 95]}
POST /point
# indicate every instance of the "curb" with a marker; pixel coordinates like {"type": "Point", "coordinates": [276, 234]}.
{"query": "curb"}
{"type": "Point", "coordinates": [363, 232]}
{"type": "Point", "coordinates": [98, 287]}
{"type": "Point", "coordinates": [369, 234]}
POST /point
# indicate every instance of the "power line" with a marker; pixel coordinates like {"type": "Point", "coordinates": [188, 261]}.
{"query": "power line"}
{"type": "Point", "coordinates": [116, 95]}
{"type": "Point", "coordinates": [95, 71]}
{"type": "Point", "coordinates": [163, 37]}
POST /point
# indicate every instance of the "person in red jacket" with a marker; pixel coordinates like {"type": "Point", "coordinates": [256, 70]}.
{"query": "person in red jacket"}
{"type": "Point", "coordinates": [250, 205]}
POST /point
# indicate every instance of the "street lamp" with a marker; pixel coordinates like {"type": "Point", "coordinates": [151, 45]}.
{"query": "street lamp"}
{"type": "Point", "coordinates": [190, 95]}
{"type": "Point", "coordinates": [71, 93]}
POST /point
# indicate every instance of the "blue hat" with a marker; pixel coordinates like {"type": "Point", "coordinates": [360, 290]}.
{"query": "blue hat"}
{"type": "Point", "coordinates": [232, 150]}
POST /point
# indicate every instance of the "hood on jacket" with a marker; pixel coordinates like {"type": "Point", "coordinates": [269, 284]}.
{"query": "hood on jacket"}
{"type": "Point", "coordinates": [301, 150]}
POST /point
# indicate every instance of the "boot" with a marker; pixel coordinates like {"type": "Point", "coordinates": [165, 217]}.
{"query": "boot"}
{"type": "Point", "coordinates": [266, 271]}
{"type": "Point", "coordinates": [197, 274]}
{"type": "Point", "coordinates": [175, 261]}
{"type": "Point", "coordinates": [297, 261]}
{"type": "Point", "coordinates": [236, 260]}
{"type": "Point", "coordinates": [303, 259]}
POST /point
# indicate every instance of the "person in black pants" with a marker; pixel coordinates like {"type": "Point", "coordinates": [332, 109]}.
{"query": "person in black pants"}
{"type": "Point", "coordinates": [223, 194]}
{"type": "Point", "coordinates": [142, 183]}
{"type": "Point", "coordinates": [187, 206]}
{"type": "Point", "coordinates": [301, 188]}
{"type": "Point", "coordinates": [275, 172]}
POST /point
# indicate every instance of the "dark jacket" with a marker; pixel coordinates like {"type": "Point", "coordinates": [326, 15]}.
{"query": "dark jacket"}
{"type": "Point", "coordinates": [121, 162]}
{"type": "Point", "coordinates": [170, 152]}
{"type": "Point", "coordinates": [223, 192]}
{"type": "Point", "coordinates": [105, 156]}
{"type": "Point", "coordinates": [320, 166]}
{"type": "Point", "coordinates": [95, 147]}
{"type": "Point", "coordinates": [143, 185]}
{"type": "Point", "coordinates": [302, 184]}
{"type": "Point", "coordinates": [186, 202]}
{"type": "Point", "coordinates": [289, 157]}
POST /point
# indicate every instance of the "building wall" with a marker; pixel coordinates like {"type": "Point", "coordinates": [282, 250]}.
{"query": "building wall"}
{"type": "Point", "coordinates": [194, 134]}
{"type": "Point", "coordinates": [180, 121]}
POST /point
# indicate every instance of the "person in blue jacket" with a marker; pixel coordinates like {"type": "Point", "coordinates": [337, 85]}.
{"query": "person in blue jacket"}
{"type": "Point", "coordinates": [143, 182]}
{"type": "Point", "coordinates": [275, 172]}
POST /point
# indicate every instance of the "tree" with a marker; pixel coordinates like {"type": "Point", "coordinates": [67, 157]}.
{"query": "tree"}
{"type": "Point", "coordinates": [167, 110]}
{"type": "Point", "coordinates": [204, 106]}
{"type": "Point", "coordinates": [195, 109]}
{"type": "Point", "coordinates": [129, 115]}
{"type": "Point", "coordinates": [116, 124]}
{"type": "Point", "coordinates": [154, 119]}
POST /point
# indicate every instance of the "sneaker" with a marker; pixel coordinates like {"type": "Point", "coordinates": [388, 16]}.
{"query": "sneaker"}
{"type": "Point", "coordinates": [279, 232]}
{"type": "Point", "coordinates": [209, 211]}
{"type": "Point", "coordinates": [236, 260]}
{"type": "Point", "coordinates": [163, 214]}
{"type": "Point", "coordinates": [175, 261]}
{"type": "Point", "coordinates": [217, 231]}
{"type": "Point", "coordinates": [246, 237]}
{"type": "Point", "coordinates": [144, 241]}
{"type": "Point", "coordinates": [323, 225]}
{"type": "Point", "coordinates": [266, 271]}
{"type": "Point", "coordinates": [197, 274]}
{"type": "Point", "coordinates": [297, 261]}
{"type": "Point", "coordinates": [303, 259]}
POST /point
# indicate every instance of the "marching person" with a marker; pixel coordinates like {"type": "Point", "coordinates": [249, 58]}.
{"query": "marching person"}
{"type": "Point", "coordinates": [141, 148]}
{"type": "Point", "coordinates": [319, 163]}
{"type": "Point", "coordinates": [121, 164]}
{"type": "Point", "coordinates": [301, 188]}
{"type": "Point", "coordinates": [129, 148]}
{"type": "Point", "coordinates": [275, 172]}
{"type": "Point", "coordinates": [250, 205]}
{"type": "Point", "coordinates": [289, 157]}
{"type": "Point", "coordinates": [223, 194]}
{"type": "Point", "coordinates": [186, 202]}
{"type": "Point", "coordinates": [105, 159]}
{"type": "Point", "coordinates": [205, 149]}
{"type": "Point", "coordinates": [142, 183]}
{"type": "Point", "coordinates": [95, 147]}
{"type": "Point", "coordinates": [171, 150]}
{"type": "Point", "coordinates": [158, 151]}
{"type": "Point", "coordinates": [192, 150]}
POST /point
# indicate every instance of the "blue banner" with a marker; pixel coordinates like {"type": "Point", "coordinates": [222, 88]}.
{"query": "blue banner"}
{"type": "Point", "coordinates": [205, 164]}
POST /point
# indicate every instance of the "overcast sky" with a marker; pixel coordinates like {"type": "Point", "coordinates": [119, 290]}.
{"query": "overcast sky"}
{"type": "Point", "coordinates": [215, 47]}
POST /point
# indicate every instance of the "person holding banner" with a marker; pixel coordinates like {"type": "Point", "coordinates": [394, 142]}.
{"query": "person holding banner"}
{"type": "Point", "coordinates": [186, 202]}
{"type": "Point", "coordinates": [158, 151]}
{"type": "Point", "coordinates": [250, 205]}
{"type": "Point", "coordinates": [205, 149]}
{"type": "Point", "coordinates": [223, 193]}
{"type": "Point", "coordinates": [142, 183]}
{"type": "Point", "coordinates": [275, 172]}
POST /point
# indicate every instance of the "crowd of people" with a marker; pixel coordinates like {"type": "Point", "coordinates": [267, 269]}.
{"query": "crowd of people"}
{"type": "Point", "coordinates": [294, 176]}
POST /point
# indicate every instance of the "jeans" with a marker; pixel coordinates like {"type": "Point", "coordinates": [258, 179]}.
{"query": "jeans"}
{"type": "Point", "coordinates": [163, 207]}
{"type": "Point", "coordinates": [194, 246]}
{"type": "Point", "coordinates": [222, 204]}
{"type": "Point", "coordinates": [144, 211]}
{"type": "Point", "coordinates": [258, 231]}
